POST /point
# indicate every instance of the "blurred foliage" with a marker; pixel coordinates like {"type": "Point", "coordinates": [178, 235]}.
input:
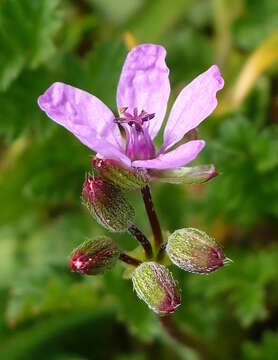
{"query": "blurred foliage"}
{"type": "Point", "coordinates": [26, 43]}
{"type": "Point", "coordinates": [47, 312]}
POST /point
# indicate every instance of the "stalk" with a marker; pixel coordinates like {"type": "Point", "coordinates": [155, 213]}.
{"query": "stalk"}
{"type": "Point", "coordinates": [129, 259]}
{"type": "Point", "coordinates": [139, 236]}
{"type": "Point", "coordinates": [149, 206]}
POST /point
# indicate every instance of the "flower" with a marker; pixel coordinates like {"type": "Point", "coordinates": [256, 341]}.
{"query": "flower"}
{"type": "Point", "coordinates": [142, 97]}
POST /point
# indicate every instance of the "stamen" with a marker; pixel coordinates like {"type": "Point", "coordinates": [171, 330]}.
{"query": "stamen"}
{"type": "Point", "coordinates": [134, 119]}
{"type": "Point", "coordinates": [138, 141]}
{"type": "Point", "coordinates": [148, 117]}
{"type": "Point", "coordinates": [123, 109]}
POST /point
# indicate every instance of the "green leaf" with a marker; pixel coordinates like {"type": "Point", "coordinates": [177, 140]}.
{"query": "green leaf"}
{"type": "Point", "coordinates": [156, 18]}
{"type": "Point", "coordinates": [36, 293]}
{"type": "Point", "coordinates": [258, 20]}
{"type": "Point", "coordinates": [267, 349]}
{"type": "Point", "coordinates": [20, 112]}
{"type": "Point", "coordinates": [38, 273]}
{"type": "Point", "coordinates": [26, 35]}
{"type": "Point", "coordinates": [117, 11]}
{"type": "Point", "coordinates": [244, 286]}
{"type": "Point", "coordinates": [245, 156]}
{"type": "Point", "coordinates": [45, 338]}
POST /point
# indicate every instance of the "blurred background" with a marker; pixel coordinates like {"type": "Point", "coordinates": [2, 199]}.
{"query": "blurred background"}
{"type": "Point", "coordinates": [48, 312]}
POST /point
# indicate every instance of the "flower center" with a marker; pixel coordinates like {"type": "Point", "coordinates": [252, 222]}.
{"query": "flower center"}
{"type": "Point", "coordinates": [139, 144]}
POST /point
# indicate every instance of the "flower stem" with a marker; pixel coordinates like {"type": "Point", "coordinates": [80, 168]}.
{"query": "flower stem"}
{"type": "Point", "coordinates": [184, 338]}
{"type": "Point", "coordinates": [129, 259]}
{"type": "Point", "coordinates": [138, 235]}
{"type": "Point", "coordinates": [161, 252]}
{"type": "Point", "coordinates": [149, 206]}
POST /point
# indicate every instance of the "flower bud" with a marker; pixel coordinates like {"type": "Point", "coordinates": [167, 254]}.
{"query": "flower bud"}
{"type": "Point", "coordinates": [195, 251]}
{"type": "Point", "coordinates": [107, 204]}
{"type": "Point", "coordinates": [185, 175]}
{"type": "Point", "coordinates": [155, 285]}
{"type": "Point", "coordinates": [94, 256]}
{"type": "Point", "coordinates": [128, 179]}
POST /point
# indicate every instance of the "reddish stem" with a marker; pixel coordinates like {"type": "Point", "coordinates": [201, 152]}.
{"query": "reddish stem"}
{"type": "Point", "coordinates": [149, 206]}
{"type": "Point", "coordinates": [161, 252]}
{"type": "Point", "coordinates": [129, 259]}
{"type": "Point", "coordinates": [139, 236]}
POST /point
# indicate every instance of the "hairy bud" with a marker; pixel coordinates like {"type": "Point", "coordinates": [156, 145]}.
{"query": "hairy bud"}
{"type": "Point", "coordinates": [155, 285]}
{"type": "Point", "coordinates": [195, 251]}
{"type": "Point", "coordinates": [107, 204]}
{"type": "Point", "coordinates": [128, 179]}
{"type": "Point", "coordinates": [94, 257]}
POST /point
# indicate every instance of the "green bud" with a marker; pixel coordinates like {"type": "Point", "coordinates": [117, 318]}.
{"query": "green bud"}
{"type": "Point", "coordinates": [128, 179]}
{"type": "Point", "coordinates": [155, 285]}
{"type": "Point", "coordinates": [107, 204]}
{"type": "Point", "coordinates": [195, 251]}
{"type": "Point", "coordinates": [185, 175]}
{"type": "Point", "coordinates": [94, 257]}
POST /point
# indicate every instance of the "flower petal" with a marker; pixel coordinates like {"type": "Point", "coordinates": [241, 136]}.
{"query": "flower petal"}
{"type": "Point", "coordinates": [69, 107]}
{"type": "Point", "coordinates": [144, 83]}
{"type": "Point", "coordinates": [100, 145]}
{"type": "Point", "coordinates": [181, 156]}
{"type": "Point", "coordinates": [195, 102]}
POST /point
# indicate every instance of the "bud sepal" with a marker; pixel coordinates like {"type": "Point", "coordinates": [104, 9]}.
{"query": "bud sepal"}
{"type": "Point", "coordinates": [125, 178]}
{"type": "Point", "coordinates": [108, 204]}
{"type": "Point", "coordinates": [185, 175]}
{"type": "Point", "coordinates": [94, 257]}
{"type": "Point", "coordinates": [155, 285]}
{"type": "Point", "coordinates": [195, 251]}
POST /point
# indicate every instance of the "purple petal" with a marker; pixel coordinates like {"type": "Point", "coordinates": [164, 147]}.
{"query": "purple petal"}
{"type": "Point", "coordinates": [95, 142]}
{"type": "Point", "coordinates": [144, 83]}
{"type": "Point", "coordinates": [71, 107]}
{"type": "Point", "coordinates": [195, 102]}
{"type": "Point", "coordinates": [181, 156]}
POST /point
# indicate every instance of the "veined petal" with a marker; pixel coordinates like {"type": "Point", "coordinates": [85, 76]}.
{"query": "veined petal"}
{"type": "Point", "coordinates": [195, 102]}
{"type": "Point", "coordinates": [181, 156]}
{"type": "Point", "coordinates": [71, 107]}
{"type": "Point", "coordinates": [144, 83]}
{"type": "Point", "coordinates": [100, 145]}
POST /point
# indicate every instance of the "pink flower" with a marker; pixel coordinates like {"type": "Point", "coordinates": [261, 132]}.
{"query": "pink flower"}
{"type": "Point", "coordinates": [142, 97]}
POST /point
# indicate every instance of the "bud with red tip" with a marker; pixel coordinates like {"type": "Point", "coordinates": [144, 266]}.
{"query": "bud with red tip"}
{"type": "Point", "coordinates": [155, 285]}
{"type": "Point", "coordinates": [128, 179]}
{"type": "Point", "coordinates": [195, 251]}
{"type": "Point", "coordinates": [107, 204]}
{"type": "Point", "coordinates": [94, 257]}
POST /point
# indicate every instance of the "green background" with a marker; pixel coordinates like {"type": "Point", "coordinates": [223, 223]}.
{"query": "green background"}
{"type": "Point", "coordinates": [48, 312]}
